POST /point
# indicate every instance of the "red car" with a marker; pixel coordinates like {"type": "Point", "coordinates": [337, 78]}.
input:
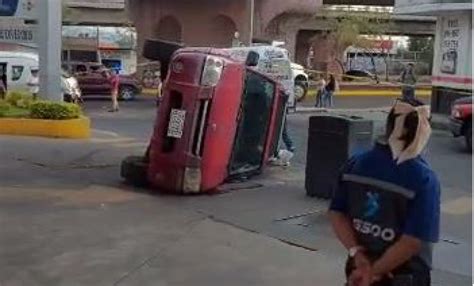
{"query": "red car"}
{"type": "Point", "coordinates": [460, 121]}
{"type": "Point", "coordinates": [218, 119]}
{"type": "Point", "coordinates": [93, 83]}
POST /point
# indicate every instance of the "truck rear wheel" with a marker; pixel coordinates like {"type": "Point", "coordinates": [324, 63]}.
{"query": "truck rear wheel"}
{"type": "Point", "coordinates": [134, 170]}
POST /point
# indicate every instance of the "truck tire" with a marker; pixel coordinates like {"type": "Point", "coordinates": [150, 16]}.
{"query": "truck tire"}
{"type": "Point", "coordinates": [134, 170]}
{"type": "Point", "coordinates": [300, 91]}
{"type": "Point", "coordinates": [468, 136]}
{"type": "Point", "coordinates": [127, 93]}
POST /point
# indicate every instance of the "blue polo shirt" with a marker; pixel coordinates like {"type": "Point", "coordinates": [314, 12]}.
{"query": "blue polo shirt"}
{"type": "Point", "coordinates": [385, 200]}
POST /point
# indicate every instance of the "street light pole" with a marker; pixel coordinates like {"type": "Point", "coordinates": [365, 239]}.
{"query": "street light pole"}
{"type": "Point", "coordinates": [50, 33]}
{"type": "Point", "coordinates": [252, 19]}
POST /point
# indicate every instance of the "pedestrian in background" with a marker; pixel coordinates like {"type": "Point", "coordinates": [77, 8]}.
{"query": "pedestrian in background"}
{"type": "Point", "coordinates": [3, 81]}
{"type": "Point", "coordinates": [408, 80]}
{"type": "Point", "coordinates": [331, 87]}
{"type": "Point", "coordinates": [113, 79]}
{"type": "Point", "coordinates": [386, 207]}
{"type": "Point", "coordinates": [320, 88]}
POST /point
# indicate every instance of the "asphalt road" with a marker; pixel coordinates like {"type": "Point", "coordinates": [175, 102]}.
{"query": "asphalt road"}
{"type": "Point", "coordinates": [446, 155]}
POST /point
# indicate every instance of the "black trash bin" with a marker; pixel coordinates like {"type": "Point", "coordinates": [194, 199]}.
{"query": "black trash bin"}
{"type": "Point", "coordinates": [331, 141]}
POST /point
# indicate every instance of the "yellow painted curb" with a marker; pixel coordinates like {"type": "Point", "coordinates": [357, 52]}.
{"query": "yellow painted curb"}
{"type": "Point", "coordinates": [419, 92]}
{"type": "Point", "coordinates": [374, 92]}
{"type": "Point", "coordinates": [150, 91]}
{"type": "Point", "coordinates": [71, 128]}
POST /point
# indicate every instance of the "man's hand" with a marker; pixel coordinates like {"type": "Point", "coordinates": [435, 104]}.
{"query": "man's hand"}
{"type": "Point", "coordinates": [361, 276]}
{"type": "Point", "coordinates": [361, 260]}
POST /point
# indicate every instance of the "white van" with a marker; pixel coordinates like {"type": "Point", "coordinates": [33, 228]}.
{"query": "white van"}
{"type": "Point", "coordinates": [18, 67]}
{"type": "Point", "coordinates": [273, 62]}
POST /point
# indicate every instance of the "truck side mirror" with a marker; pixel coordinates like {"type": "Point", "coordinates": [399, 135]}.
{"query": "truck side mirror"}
{"type": "Point", "coordinates": [252, 59]}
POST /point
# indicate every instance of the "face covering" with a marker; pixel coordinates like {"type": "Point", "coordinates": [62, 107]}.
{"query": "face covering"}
{"type": "Point", "coordinates": [422, 135]}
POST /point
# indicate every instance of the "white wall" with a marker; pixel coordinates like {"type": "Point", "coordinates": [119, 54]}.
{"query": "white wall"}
{"type": "Point", "coordinates": [452, 65]}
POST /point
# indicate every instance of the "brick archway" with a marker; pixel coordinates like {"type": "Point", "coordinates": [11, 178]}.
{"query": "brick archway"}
{"type": "Point", "coordinates": [223, 29]}
{"type": "Point", "coordinates": [169, 28]}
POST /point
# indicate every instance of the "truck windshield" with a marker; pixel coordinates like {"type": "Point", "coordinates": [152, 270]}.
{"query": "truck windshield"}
{"type": "Point", "coordinates": [249, 145]}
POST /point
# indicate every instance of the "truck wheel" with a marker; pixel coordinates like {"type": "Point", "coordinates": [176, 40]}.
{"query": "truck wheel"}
{"type": "Point", "coordinates": [300, 91]}
{"type": "Point", "coordinates": [468, 136]}
{"type": "Point", "coordinates": [134, 170]}
{"type": "Point", "coordinates": [127, 93]}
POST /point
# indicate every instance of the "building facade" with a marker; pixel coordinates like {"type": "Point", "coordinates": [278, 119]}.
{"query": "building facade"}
{"type": "Point", "coordinates": [300, 24]}
{"type": "Point", "coordinates": [452, 65]}
{"type": "Point", "coordinates": [214, 22]}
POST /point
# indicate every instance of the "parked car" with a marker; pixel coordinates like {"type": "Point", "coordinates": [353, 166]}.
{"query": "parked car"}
{"type": "Point", "coordinates": [350, 74]}
{"type": "Point", "coordinates": [93, 83]}
{"type": "Point", "coordinates": [220, 119]}
{"type": "Point", "coordinates": [301, 79]}
{"type": "Point", "coordinates": [460, 121]}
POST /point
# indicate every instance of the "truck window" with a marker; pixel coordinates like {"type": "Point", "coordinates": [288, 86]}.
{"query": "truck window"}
{"type": "Point", "coordinates": [95, 68]}
{"type": "Point", "coordinates": [80, 69]}
{"type": "Point", "coordinates": [17, 71]}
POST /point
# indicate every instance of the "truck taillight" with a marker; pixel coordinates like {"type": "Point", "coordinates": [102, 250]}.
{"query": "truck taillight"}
{"type": "Point", "coordinates": [212, 71]}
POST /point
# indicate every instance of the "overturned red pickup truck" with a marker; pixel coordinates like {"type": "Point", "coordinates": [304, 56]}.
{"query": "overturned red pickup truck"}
{"type": "Point", "coordinates": [219, 119]}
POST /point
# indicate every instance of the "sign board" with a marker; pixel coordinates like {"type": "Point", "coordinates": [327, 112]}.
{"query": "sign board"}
{"type": "Point", "coordinates": [18, 34]}
{"type": "Point", "coordinates": [25, 9]}
{"type": "Point", "coordinates": [98, 4]}
{"type": "Point", "coordinates": [453, 59]}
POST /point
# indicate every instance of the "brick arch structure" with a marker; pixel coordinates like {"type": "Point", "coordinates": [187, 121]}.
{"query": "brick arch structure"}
{"type": "Point", "coordinates": [269, 10]}
{"type": "Point", "coordinates": [223, 28]}
{"type": "Point", "coordinates": [169, 28]}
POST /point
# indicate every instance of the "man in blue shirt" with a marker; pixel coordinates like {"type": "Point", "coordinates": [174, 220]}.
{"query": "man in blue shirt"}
{"type": "Point", "coordinates": [386, 207]}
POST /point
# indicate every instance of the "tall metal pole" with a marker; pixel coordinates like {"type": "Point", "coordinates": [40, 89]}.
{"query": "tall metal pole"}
{"type": "Point", "coordinates": [252, 19]}
{"type": "Point", "coordinates": [50, 27]}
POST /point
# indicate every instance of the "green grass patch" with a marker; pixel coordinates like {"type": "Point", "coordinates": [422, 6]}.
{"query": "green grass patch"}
{"type": "Point", "coordinates": [14, 112]}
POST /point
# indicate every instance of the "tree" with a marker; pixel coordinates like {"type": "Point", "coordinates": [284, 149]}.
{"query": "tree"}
{"type": "Point", "coordinates": [350, 27]}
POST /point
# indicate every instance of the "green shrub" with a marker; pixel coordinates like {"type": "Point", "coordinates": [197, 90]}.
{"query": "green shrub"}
{"type": "Point", "coordinates": [54, 110]}
{"type": "Point", "coordinates": [19, 99]}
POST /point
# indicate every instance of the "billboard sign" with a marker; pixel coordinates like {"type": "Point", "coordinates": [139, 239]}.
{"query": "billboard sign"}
{"type": "Point", "coordinates": [453, 59]}
{"type": "Point", "coordinates": [18, 34]}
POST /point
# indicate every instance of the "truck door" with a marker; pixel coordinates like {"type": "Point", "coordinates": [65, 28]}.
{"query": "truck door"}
{"type": "Point", "coordinates": [254, 117]}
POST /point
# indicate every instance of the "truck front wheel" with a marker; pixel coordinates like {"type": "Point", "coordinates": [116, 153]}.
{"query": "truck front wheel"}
{"type": "Point", "coordinates": [468, 136]}
{"type": "Point", "coordinates": [134, 170]}
{"type": "Point", "coordinates": [127, 93]}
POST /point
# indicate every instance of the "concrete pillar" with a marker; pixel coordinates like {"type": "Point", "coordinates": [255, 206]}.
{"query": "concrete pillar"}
{"type": "Point", "coordinates": [49, 26]}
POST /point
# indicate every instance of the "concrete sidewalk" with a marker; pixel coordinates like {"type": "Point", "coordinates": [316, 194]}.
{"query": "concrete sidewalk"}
{"type": "Point", "coordinates": [67, 219]}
